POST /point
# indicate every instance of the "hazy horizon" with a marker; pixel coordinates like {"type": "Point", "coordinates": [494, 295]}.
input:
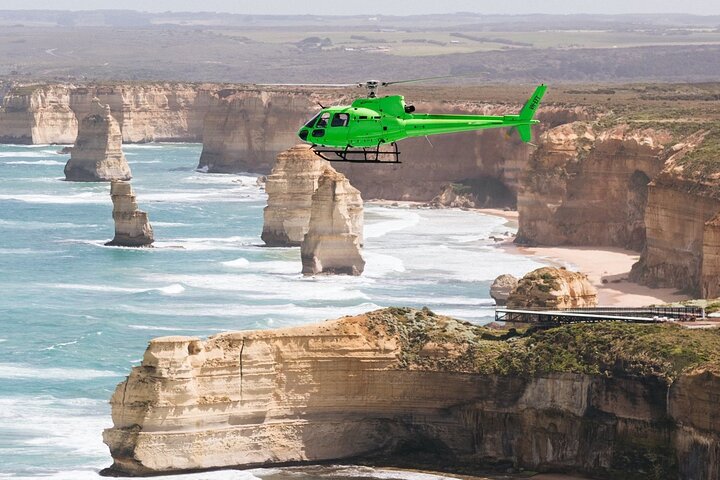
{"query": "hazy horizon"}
{"type": "Point", "coordinates": [401, 7]}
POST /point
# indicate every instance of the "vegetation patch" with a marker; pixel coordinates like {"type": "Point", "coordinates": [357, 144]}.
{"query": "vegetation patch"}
{"type": "Point", "coordinates": [615, 349]}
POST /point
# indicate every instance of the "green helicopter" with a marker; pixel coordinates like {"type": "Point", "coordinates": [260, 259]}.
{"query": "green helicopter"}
{"type": "Point", "coordinates": [359, 132]}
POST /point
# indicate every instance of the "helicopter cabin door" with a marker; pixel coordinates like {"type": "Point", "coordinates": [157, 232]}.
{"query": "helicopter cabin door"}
{"type": "Point", "coordinates": [338, 130]}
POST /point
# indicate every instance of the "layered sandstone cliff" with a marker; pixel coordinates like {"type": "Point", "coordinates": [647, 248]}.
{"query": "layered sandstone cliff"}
{"type": "Point", "coordinates": [41, 114]}
{"type": "Point", "coordinates": [132, 227]}
{"type": "Point", "coordinates": [290, 188]}
{"type": "Point", "coordinates": [586, 185]}
{"type": "Point", "coordinates": [37, 115]}
{"type": "Point", "coordinates": [97, 155]}
{"type": "Point", "coordinates": [402, 379]}
{"type": "Point", "coordinates": [550, 287]}
{"type": "Point", "coordinates": [334, 235]}
{"type": "Point", "coordinates": [682, 207]}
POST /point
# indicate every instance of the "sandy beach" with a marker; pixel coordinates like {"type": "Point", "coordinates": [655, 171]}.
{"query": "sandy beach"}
{"type": "Point", "coordinates": [606, 267]}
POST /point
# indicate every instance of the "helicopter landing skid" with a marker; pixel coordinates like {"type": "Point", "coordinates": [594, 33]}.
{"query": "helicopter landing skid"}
{"type": "Point", "coordinates": [359, 155]}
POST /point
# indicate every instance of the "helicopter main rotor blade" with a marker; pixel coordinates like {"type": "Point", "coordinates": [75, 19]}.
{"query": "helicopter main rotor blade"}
{"type": "Point", "coordinates": [470, 74]}
{"type": "Point", "coordinates": [313, 85]}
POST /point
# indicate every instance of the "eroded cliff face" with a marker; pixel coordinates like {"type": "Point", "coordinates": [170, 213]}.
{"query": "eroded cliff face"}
{"type": "Point", "coordinates": [38, 115]}
{"type": "Point", "coordinates": [586, 185]}
{"type": "Point", "coordinates": [368, 385]}
{"type": "Point", "coordinates": [680, 218]}
{"type": "Point", "coordinates": [149, 112]}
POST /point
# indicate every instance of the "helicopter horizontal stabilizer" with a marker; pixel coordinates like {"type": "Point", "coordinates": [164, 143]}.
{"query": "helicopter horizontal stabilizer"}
{"type": "Point", "coordinates": [528, 111]}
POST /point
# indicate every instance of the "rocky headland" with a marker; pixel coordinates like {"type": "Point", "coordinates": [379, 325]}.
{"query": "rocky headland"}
{"type": "Point", "coordinates": [335, 230]}
{"type": "Point", "coordinates": [132, 227]}
{"type": "Point", "coordinates": [607, 400]}
{"type": "Point", "coordinates": [97, 155]}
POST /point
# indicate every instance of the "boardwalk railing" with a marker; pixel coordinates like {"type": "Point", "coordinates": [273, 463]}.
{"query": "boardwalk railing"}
{"type": "Point", "coordinates": [540, 316]}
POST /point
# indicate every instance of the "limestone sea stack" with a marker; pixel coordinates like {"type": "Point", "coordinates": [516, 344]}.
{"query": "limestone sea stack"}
{"type": "Point", "coordinates": [595, 399]}
{"type": "Point", "coordinates": [290, 188]}
{"type": "Point", "coordinates": [132, 228]}
{"type": "Point", "coordinates": [550, 287]}
{"type": "Point", "coordinates": [332, 242]}
{"type": "Point", "coordinates": [97, 155]}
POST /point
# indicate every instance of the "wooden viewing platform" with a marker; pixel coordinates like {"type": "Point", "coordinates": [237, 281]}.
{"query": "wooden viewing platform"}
{"type": "Point", "coordinates": [540, 316]}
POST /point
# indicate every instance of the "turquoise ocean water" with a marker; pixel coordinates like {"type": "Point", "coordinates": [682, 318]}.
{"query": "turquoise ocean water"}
{"type": "Point", "coordinates": [75, 315]}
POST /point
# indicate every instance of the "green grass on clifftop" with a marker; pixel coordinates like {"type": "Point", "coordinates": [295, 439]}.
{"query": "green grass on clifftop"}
{"type": "Point", "coordinates": [435, 342]}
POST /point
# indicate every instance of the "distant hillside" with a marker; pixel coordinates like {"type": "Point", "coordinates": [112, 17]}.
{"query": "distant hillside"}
{"type": "Point", "coordinates": [127, 45]}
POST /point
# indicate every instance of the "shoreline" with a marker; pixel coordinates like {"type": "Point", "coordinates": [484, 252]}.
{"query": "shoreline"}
{"type": "Point", "coordinates": [607, 268]}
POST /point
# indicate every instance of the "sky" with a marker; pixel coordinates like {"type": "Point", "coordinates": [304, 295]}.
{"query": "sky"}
{"type": "Point", "coordinates": [384, 7]}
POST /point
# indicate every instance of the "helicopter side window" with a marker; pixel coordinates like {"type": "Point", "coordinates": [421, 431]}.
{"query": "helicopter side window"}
{"type": "Point", "coordinates": [312, 121]}
{"type": "Point", "coordinates": [322, 123]}
{"type": "Point", "coordinates": [340, 120]}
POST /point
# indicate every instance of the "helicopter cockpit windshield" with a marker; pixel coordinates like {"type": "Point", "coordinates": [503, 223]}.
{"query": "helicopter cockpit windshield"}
{"type": "Point", "coordinates": [313, 120]}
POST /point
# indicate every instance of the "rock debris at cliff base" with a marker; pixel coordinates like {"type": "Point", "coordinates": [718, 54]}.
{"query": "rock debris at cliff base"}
{"type": "Point", "coordinates": [607, 400]}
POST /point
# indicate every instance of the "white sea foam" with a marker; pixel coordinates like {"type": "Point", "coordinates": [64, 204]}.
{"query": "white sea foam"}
{"type": "Point", "coordinates": [20, 371]}
{"type": "Point", "coordinates": [38, 162]}
{"type": "Point", "coordinates": [285, 310]}
{"type": "Point", "coordinates": [61, 344]}
{"type": "Point", "coordinates": [226, 195]}
{"type": "Point", "coordinates": [70, 426]}
{"type": "Point", "coordinates": [222, 179]}
{"type": "Point", "coordinates": [277, 266]}
{"type": "Point", "coordinates": [389, 474]}
{"type": "Point", "coordinates": [136, 162]}
{"type": "Point", "coordinates": [173, 329]}
{"type": "Point", "coordinates": [34, 154]}
{"type": "Point", "coordinates": [397, 220]}
{"type": "Point", "coordinates": [170, 224]}
{"type": "Point", "coordinates": [172, 289]}
{"type": "Point", "coordinates": [17, 251]}
{"type": "Point", "coordinates": [379, 265]}
{"type": "Point", "coordinates": [256, 286]}
{"type": "Point", "coordinates": [237, 263]}
{"type": "Point", "coordinates": [207, 243]}
{"type": "Point", "coordinates": [79, 198]}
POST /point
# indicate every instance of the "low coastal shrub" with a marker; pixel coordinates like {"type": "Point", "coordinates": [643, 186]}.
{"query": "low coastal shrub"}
{"type": "Point", "coordinates": [616, 349]}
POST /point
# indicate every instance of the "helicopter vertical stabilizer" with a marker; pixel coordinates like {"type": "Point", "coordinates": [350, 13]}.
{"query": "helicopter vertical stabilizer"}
{"type": "Point", "coordinates": [528, 110]}
{"type": "Point", "coordinates": [527, 113]}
